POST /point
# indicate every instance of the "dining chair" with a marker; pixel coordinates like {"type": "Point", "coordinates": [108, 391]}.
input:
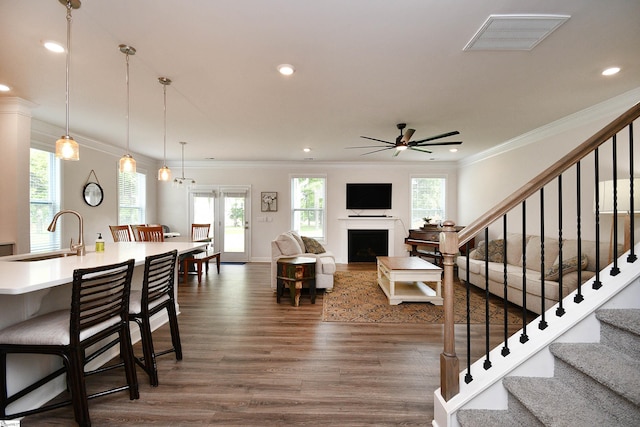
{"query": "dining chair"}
{"type": "Point", "coordinates": [99, 313]}
{"type": "Point", "coordinates": [134, 231]}
{"type": "Point", "coordinates": [153, 233]}
{"type": "Point", "coordinates": [120, 233]}
{"type": "Point", "coordinates": [157, 294]}
{"type": "Point", "coordinates": [200, 232]}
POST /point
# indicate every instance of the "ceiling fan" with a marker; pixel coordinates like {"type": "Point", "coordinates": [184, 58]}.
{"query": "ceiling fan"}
{"type": "Point", "coordinates": [403, 142]}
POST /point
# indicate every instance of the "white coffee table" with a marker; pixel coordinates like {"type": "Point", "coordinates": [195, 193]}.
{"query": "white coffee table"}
{"type": "Point", "coordinates": [405, 279]}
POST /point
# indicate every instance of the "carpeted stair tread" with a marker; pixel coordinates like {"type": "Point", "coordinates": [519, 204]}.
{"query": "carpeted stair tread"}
{"type": "Point", "coordinates": [625, 319]}
{"type": "Point", "coordinates": [556, 404]}
{"type": "Point", "coordinates": [485, 418]}
{"type": "Point", "coordinates": [609, 367]}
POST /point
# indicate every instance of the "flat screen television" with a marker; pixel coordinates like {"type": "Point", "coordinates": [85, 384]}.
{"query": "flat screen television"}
{"type": "Point", "coordinates": [361, 196]}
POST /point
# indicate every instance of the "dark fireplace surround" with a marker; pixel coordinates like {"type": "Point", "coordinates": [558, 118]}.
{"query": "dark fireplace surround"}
{"type": "Point", "coordinates": [366, 245]}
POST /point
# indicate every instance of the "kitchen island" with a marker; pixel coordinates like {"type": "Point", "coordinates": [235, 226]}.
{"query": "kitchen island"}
{"type": "Point", "coordinates": [31, 286]}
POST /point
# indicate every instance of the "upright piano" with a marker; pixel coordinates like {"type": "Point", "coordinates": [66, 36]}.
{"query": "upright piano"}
{"type": "Point", "coordinates": [425, 243]}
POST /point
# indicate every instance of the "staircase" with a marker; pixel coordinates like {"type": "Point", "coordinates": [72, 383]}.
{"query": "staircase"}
{"type": "Point", "coordinates": [594, 384]}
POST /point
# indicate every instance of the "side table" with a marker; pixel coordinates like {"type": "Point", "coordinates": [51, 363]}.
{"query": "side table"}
{"type": "Point", "coordinates": [294, 273]}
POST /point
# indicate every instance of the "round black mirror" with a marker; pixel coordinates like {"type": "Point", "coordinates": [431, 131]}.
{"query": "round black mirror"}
{"type": "Point", "coordinates": [93, 194]}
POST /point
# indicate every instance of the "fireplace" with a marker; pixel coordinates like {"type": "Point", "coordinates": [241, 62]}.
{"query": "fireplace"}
{"type": "Point", "coordinates": [366, 245]}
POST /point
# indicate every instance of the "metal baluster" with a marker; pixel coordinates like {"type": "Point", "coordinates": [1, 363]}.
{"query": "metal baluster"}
{"type": "Point", "coordinates": [632, 254]}
{"type": "Point", "coordinates": [543, 323]}
{"type": "Point", "coordinates": [615, 270]}
{"type": "Point", "coordinates": [505, 349]}
{"type": "Point", "coordinates": [578, 298]}
{"type": "Point", "coordinates": [487, 362]}
{"type": "Point", "coordinates": [524, 337]}
{"type": "Point", "coordinates": [468, 377]}
{"type": "Point", "coordinates": [597, 284]}
{"type": "Point", "coordinates": [560, 309]}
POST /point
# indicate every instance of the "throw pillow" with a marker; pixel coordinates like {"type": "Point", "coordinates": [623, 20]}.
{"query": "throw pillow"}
{"type": "Point", "coordinates": [312, 246]}
{"type": "Point", "coordinates": [288, 245]}
{"type": "Point", "coordinates": [496, 251]}
{"type": "Point", "coordinates": [569, 265]}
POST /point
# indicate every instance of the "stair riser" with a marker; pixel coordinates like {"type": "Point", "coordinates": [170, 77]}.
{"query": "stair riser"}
{"type": "Point", "coordinates": [521, 413]}
{"type": "Point", "coordinates": [621, 340]}
{"type": "Point", "coordinates": [601, 396]}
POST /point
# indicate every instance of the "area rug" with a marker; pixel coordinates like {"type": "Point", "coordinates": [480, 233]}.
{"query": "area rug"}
{"type": "Point", "coordinates": [356, 297]}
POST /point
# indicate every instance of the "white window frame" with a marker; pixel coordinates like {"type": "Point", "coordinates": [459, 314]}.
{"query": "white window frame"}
{"type": "Point", "coordinates": [419, 212]}
{"type": "Point", "coordinates": [38, 226]}
{"type": "Point", "coordinates": [321, 211]}
{"type": "Point", "coordinates": [140, 202]}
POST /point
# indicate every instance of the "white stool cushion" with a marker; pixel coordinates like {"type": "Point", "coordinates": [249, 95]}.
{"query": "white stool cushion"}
{"type": "Point", "coordinates": [48, 329]}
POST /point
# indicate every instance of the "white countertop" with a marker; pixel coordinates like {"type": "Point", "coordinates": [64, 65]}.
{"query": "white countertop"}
{"type": "Point", "coordinates": [21, 277]}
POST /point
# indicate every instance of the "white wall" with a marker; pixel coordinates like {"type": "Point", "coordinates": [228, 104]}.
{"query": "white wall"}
{"type": "Point", "coordinates": [490, 177]}
{"type": "Point", "coordinates": [270, 176]}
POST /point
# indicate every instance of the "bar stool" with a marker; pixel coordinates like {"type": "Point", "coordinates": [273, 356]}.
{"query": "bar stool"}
{"type": "Point", "coordinates": [99, 308]}
{"type": "Point", "coordinates": [157, 294]}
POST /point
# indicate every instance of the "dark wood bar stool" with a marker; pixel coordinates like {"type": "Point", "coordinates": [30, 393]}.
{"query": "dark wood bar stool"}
{"type": "Point", "coordinates": [157, 294]}
{"type": "Point", "coordinates": [99, 310]}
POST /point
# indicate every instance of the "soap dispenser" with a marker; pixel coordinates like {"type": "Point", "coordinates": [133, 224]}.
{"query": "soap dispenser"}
{"type": "Point", "coordinates": [99, 243]}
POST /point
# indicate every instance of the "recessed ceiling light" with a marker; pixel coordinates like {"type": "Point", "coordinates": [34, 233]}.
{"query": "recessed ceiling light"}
{"type": "Point", "coordinates": [306, 150]}
{"type": "Point", "coordinates": [611, 71]}
{"type": "Point", "coordinates": [286, 69]}
{"type": "Point", "coordinates": [453, 150]}
{"type": "Point", "coordinates": [53, 46]}
{"type": "Point", "coordinates": [4, 88]}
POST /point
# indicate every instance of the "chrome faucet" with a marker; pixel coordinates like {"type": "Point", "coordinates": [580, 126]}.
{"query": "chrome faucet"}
{"type": "Point", "coordinates": [78, 247]}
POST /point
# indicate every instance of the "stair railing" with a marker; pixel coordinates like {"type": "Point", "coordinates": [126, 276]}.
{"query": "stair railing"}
{"type": "Point", "coordinates": [451, 241]}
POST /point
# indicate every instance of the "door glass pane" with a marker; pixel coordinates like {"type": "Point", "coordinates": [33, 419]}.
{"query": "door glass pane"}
{"type": "Point", "coordinates": [204, 212]}
{"type": "Point", "coordinates": [234, 223]}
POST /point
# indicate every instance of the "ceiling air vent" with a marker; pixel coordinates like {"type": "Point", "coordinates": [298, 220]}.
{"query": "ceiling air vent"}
{"type": "Point", "coordinates": [514, 32]}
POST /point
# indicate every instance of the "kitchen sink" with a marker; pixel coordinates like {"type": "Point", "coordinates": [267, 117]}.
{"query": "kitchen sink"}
{"type": "Point", "coordinates": [30, 258]}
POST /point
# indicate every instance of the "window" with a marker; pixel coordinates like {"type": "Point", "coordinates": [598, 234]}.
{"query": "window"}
{"type": "Point", "coordinates": [308, 207]}
{"type": "Point", "coordinates": [132, 198]}
{"type": "Point", "coordinates": [44, 199]}
{"type": "Point", "coordinates": [428, 199]}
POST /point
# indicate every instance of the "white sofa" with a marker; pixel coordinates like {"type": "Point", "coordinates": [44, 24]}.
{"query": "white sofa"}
{"type": "Point", "coordinates": [533, 268]}
{"type": "Point", "coordinates": [291, 244]}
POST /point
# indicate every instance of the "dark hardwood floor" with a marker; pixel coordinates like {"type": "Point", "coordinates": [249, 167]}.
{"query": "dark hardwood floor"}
{"type": "Point", "coordinates": [249, 361]}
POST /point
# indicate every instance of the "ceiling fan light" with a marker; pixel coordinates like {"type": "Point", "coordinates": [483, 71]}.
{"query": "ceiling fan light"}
{"type": "Point", "coordinates": [401, 147]}
{"type": "Point", "coordinates": [67, 148]}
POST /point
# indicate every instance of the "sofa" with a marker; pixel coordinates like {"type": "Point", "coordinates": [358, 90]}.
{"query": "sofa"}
{"type": "Point", "coordinates": [291, 244]}
{"type": "Point", "coordinates": [534, 268]}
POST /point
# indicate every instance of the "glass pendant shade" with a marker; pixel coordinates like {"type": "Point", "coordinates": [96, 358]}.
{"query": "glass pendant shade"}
{"type": "Point", "coordinates": [164, 174]}
{"type": "Point", "coordinates": [127, 164]}
{"type": "Point", "coordinates": [67, 148]}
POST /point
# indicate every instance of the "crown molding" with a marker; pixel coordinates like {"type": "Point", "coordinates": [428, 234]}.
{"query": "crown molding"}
{"type": "Point", "coordinates": [613, 106]}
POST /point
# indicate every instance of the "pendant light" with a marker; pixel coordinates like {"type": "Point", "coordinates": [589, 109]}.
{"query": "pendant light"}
{"type": "Point", "coordinates": [182, 180]}
{"type": "Point", "coordinates": [164, 173]}
{"type": "Point", "coordinates": [66, 147]}
{"type": "Point", "coordinates": [127, 162]}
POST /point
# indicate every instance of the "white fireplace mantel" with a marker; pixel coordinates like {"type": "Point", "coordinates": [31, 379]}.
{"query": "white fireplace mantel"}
{"type": "Point", "coordinates": [366, 223]}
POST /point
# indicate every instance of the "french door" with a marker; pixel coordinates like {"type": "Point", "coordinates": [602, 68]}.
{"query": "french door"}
{"type": "Point", "coordinates": [226, 208]}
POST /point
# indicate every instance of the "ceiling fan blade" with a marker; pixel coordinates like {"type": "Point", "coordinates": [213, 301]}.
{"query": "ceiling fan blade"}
{"type": "Point", "coordinates": [407, 135]}
{"type": "Point", "coordinates": [435, 143]}
{"type": "Point", "coordinates": [419, 149]}
{"type": "Point", "coordinates": [379, 140]}
{"type": "Point", "coordinates": [367, 146]}
{"type": "Point", "coordinates": [396, 153]}
{"type": "Point", "coordinates": [375, 151]}
{"type": "Point", "coordinates": [444, 135]}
